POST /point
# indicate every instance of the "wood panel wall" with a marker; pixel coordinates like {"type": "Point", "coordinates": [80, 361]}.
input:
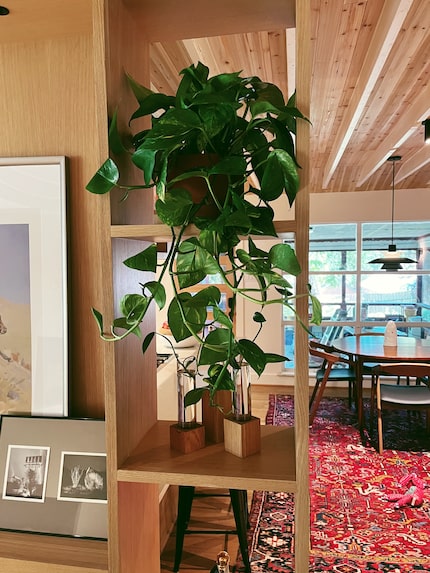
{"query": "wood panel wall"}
{"type": "Point", "coordinates": [49, 106]}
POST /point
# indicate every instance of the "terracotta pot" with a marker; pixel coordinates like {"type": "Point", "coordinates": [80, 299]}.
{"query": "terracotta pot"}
{"type": "Point", "coordinates": [197, 186]}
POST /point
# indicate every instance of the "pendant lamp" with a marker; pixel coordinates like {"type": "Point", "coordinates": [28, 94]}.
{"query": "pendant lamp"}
{"type": "Point", "coordinates": [426, 124]}
{"type": "Point", "coordinates": [391, 261]}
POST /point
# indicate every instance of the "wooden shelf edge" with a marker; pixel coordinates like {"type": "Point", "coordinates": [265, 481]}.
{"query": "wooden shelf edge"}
{"type": "Point", "coordinates": [273, 468]}
{"type": "Point", "coordinates": [161, 233]}
{"type": "Point", "coordinates": [204, 480]}
{"type": "Point", "coordinates": [52, 553]}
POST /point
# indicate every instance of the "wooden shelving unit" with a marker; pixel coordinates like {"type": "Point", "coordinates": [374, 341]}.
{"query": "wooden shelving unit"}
{"type": "Point", "coordinates": [144, 459]}
{"type": "Point", "coordinates": [61, 75]}
{"type": "Point", "coordinates": [160, 232]}
{"type": "Point", "coordinates": [272, 469]}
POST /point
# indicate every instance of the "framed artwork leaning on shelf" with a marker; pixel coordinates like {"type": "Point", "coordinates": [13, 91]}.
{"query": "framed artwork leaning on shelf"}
{"type": "Point", "coordinates": [53, 476]}
{"type": "Point", "coordinates": [33, 286]}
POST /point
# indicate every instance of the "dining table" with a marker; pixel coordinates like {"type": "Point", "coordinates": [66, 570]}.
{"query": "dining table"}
{"type": "Point", "coordinates": [370, 349]}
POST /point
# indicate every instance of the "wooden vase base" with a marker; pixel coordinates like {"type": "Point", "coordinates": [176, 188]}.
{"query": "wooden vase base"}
{"type": "Point", "coordinates": [213, 417]}
{"type": "Point", "coordinates": [242, 438]}
{"type": "Point", "coordinates": [186, 440]}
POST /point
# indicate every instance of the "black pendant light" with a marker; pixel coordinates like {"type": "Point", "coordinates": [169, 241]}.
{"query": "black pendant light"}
{"type": "Point", "coordinates": [392, 260]}
{"type": "Point", "coordinates": [426, 124]}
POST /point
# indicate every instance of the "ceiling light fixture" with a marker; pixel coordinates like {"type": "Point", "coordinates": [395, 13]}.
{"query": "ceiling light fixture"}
{"type": "Point", "coordinates": [426, 124]}
{"type": "Point", "coordinates": [391, 261]}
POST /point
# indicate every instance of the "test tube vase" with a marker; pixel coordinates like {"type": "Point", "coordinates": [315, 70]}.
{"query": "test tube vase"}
{"type": "Point", "coordinates": [187, 435]}
{"type": "Point", "coordinates": [242, 432]}
{"type": "Point", "coordinates": [213, 413]}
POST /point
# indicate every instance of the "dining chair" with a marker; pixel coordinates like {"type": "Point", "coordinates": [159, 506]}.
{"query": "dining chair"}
{"type": "Point", "coordinates": [333, 368]}
{"type": "Point", "coordinates": [399, 396]}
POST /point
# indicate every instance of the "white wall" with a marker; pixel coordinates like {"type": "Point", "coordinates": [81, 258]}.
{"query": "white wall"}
{"type": "Point", "coordinates": [410, 205]}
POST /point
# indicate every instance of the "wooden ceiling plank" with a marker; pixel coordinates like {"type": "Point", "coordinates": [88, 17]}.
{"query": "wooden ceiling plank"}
{"type": "Point", "coordinates": [265, 57]}
{"type": "Point", "coordinates": [164, 76]}
{"type": "Point", "coordinates": [400, 132]}
{"type": "Point", "coordinates": [326, 90]}
{"type": "Point", "coordinates": [413, 164]}
{"type": "Point", "coordinates": [389, 25]}
{"type": "Point", "coordinates": [200, 51]}
{"type": "Point", "coordinates": [290, 47]}
{"type": "Point", "coordinates": [406, 70]}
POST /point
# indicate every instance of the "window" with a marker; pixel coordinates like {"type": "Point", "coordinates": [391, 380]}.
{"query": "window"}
{"type": "Point", "coordinates": [357, 296]}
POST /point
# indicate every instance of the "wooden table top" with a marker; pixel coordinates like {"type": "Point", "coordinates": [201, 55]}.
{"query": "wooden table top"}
{"type": "Point", "coordinates": [372, 347]}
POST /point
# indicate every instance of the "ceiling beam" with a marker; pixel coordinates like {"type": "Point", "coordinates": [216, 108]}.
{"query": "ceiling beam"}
{"type": "Point", "coordinates": [417, 161]}
{"type": "Point", "coordinates": [389, 24]}
{"type": "Point", "coordinates": [374, 159]}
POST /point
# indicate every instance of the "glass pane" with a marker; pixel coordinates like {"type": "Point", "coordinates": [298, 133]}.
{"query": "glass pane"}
{"type": "Point", "coordinates": [404, 298]}
{"type": "Point", "coordinates": [325, 333]}
{"type": "Point", "coordinates": [411, 239]}
{"type": "Point", "coordinates": [289, 346]}
{"type": "Point", "coordinates": [337, 295]}
{"type": "Point", "coordinates": [333, 248]}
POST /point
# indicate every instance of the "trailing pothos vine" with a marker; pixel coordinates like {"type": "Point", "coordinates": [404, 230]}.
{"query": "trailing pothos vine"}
{"type": "Point", "coordinates": [248, 130]}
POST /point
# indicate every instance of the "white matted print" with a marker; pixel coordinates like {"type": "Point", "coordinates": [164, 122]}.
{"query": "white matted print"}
{"type": "Point", "coordinates": [33, 309]}
{"type": "Point", "coordinates": [82, 477]}
{"type": "Point", "coordinates": [69, 445]}
{"type": "Point", "coordinates": [25, 473]}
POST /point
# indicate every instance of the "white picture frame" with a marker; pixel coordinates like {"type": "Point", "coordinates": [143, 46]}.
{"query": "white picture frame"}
{"type": "Point", "coordinates": [33, 208]}
{"type": "Point", "coordinates": [26, 471]}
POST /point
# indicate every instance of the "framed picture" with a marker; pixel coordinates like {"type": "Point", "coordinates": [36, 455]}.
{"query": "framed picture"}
{"type": "Point", "coordinates": [33, 287]}
{"type": "Point", "coordinates": [82, 477]}
{"type": "Point", "coordinates": [59, 464]}
{"type": "Point", "coordinates": [25, 474]}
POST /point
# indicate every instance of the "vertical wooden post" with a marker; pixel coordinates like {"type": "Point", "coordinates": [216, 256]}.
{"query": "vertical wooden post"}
{"type": "Point", "coordinates": [301, 392]}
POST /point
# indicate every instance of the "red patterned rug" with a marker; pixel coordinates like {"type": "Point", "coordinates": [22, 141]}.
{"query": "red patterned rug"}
{"type": "Point", "coordinates": [353, 528]}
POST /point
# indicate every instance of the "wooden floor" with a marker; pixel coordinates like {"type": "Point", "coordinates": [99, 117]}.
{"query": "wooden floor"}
{"type": "Point", "coordinates": [200, 550]}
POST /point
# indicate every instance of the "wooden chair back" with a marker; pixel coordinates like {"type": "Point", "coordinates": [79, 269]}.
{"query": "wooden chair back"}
{"type": "Point", "coordinates": [408, 369]}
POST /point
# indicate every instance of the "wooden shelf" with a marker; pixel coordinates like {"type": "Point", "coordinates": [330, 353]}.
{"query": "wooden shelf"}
{"type": "Point", "coordinates": [160, 233]}
{"type": "Point", "coordinates": [46, 554]}
{"type": "Point", "coordinates": [272, 469]}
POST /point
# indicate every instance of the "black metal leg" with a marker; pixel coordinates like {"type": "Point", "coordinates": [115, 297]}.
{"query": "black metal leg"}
{"type": "Point", "coordinates": [185, 500]}
{"type": "Point", "coordinates": [240, 511]}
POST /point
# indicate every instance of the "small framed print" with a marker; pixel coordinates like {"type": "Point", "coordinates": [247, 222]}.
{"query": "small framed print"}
{"type": "Point", "coordinates": [59, 464]}
{"type": "Point", "coordinates": [82, 477]}
{"type": "Point", "coordinates": [25, 473]}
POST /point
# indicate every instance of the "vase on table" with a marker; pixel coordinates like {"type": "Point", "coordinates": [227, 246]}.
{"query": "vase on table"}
{"type": "Point", "coordinates": [241, 428]}
{"type": "Point", "coordinates": [213, 412]}
{"type": "Point", "coordinates": [186, 435]}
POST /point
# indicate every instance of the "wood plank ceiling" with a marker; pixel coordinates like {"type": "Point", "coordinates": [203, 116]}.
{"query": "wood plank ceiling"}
{"type": "Point", "coordinates": [370, 79]}
{"type": "Point", "coordinates": [370, 86]}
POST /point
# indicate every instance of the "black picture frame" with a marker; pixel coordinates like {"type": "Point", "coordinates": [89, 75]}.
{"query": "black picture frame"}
{"type": "Point", "coordinates": [59, 464]}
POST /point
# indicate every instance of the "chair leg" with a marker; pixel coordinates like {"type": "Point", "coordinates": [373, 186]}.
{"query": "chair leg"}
{"type": "Point", "coordinates": [380, 436]}
{"type": "Point", "coordinates": [185, 501]}
{"type": "Point", "coordinates": [314, 392]}
{"type": "Point", "coordinates": [317, 399]}
{"type": "Point", "coordinates": [240, 511]}
{"type": "Point", "coordinates": [372, 401]}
